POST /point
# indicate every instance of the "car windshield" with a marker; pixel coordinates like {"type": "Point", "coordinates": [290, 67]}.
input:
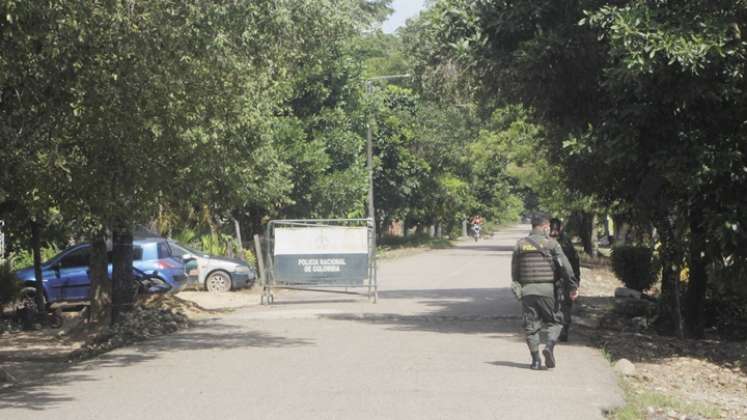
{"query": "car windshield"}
{"type": "Point", "coordinates": [178, 250]}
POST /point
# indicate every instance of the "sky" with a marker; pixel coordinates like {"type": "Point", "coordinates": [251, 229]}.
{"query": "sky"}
{"type": "Point", "coordinates": [403, 10]}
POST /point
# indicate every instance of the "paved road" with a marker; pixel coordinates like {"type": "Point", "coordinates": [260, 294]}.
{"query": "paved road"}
{"type": "Point", "coordinates": [444, 342]}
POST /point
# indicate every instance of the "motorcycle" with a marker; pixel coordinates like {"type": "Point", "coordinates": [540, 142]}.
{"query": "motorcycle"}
{"type": "Point", "coordinates": [476, 232]}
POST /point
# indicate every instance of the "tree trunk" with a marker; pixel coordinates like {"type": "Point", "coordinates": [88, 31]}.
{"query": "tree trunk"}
{"type": "Point", "coordinates": [593, 236]}
{"type": "Point", "coordinates": [666, 280]}
{"type": "Point", "coordinates": [696, 290]}
{"type": "Point", "coordinates": [607, 231]}
{"type": "Point", "coordinates": [39, 284]}
{"type": "Point", "coordinates": [677, 307]}
{"type": "Point", "coordinates": [2, 241]}
{"type": "Point", "coordinates": [588, 233]}
{"type": "Point", "coordinates": [100, 294]}
{"type": "Point", "coordinates": [620, 231]}
{"type": "Point", "coordinates": [239, 243]}
{"type": "Point", "coordinates": [123, 287]}
{"type": "Point", "coordinates": [671, 265]}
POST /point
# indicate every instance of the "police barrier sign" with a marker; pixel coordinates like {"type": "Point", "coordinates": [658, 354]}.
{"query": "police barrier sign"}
{"type": "Point", "coordinates": [324, 254]}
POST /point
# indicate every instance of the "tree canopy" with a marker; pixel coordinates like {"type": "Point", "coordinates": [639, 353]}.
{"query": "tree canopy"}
{"type": "Point", "coordinates": [192, 114]}
{"type": "Point", "coordinates": [641, 106]}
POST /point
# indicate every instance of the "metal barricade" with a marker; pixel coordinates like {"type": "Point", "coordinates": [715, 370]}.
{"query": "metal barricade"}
{"type": "Point", "coordinates": [326, 255]}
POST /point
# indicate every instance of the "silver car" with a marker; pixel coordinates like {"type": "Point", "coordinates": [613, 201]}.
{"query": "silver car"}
{"type": "Point", "coordinates": [212, 273]}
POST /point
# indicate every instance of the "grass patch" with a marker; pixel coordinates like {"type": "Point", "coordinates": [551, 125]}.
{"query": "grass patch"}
{"type": "Point", "coordinates": [637, 404]}
{"type": "Point", "coordinates": [391, 243]}
{"type": "Point", "coordinates": [607, 355]}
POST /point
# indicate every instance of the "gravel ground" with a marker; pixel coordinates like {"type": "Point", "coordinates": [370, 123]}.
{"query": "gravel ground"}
{"type": "Point", "coordinates": [223, 301]}
{"type": "Point", "coordinates": [709, 372]}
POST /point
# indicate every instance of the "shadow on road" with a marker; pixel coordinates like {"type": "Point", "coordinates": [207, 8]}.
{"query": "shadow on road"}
{"type": "Point", "coordinates": [213, 336]}
{"type": "Point", "coordinates": [39, 393]}
{"type": "Point", "coordinates": [510, 364]}
{"type": "Point", "coordinates": [450, 311]}
{"type": "Point", "coordinates": [327, 301]}
{"type": "Point", "coordinates": [487, 302]}
{"type": "Point", "coordinates": [507, 327]}
{"type": "Point", "coordinates": [38, 397]}
{"type": "Point", "coordinates": [484, 248]}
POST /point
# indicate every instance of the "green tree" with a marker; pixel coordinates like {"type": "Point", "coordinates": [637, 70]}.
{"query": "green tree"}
{"type": "Point", "coordinates": [639, 102]}
{"type": "Point", "coordinates": [34, 112]}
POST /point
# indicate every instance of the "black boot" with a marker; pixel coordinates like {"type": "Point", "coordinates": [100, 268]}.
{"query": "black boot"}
{"type": "Point", "coordinates": [549, 355]}
{"type": "Point", "coordinates": [564, 334]}
{"type": "Point", "coordinates": [536, 361]}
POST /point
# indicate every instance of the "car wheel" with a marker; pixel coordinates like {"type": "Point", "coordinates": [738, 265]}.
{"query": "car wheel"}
{"type": "Point", "coordinates": [218, 281]}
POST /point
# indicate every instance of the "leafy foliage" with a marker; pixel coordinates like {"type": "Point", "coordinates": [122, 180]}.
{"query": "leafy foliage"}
{"type": "Point", "coordinates": [24, 258]}
{"type": "Point", "coordinates": [635, 266]}
{"type": "Point", "coordinates": [121, 113]}
{"type": "Point", "coordinates": [641, 106]}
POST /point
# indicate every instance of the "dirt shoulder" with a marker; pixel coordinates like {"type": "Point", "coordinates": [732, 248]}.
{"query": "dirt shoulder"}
{"type": "Point", "coordinates": [221, 302]}
{"type": "Point", "coordinates": [668, 378]}
{"type": "Point", "coordinates": [27, 356]}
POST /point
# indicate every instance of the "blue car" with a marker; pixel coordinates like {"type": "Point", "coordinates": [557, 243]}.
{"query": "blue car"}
{"type": "Point", "coordinates": [66, 274]}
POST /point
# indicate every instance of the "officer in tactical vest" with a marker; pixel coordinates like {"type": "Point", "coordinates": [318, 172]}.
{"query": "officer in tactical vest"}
{"type": "Point", "coordinates": [566, 303]}
{"type": "Point", "coordinates": [538, 267]}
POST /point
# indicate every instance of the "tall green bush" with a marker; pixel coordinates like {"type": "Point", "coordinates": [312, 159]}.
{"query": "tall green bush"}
{"type": "Point", "coordinates": [25, 258]}
{"type": "Point", "coordinates": [210, 243]}
{"type": "Point", "coordinates": [250, 258]}
{"type": "Point", "coordinates": [635, 266]}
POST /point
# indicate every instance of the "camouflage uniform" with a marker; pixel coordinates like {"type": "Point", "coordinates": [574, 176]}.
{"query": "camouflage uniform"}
{"type": "Point", "coordinates": [534, 278]}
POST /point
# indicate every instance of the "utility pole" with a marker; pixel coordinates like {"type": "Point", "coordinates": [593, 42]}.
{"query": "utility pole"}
{"type": "Point", "coordinates": [369, 147]}
{"type": "Point", "coordinates": [369, 160]}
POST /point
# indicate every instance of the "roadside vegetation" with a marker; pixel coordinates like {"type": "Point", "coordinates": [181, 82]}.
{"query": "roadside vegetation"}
{"type": "Point", "coordinates": [656, 404]}
{"type": "Point", "coordinates": [395, 246]}
{"type": "Point", "coordinates": [662, 377]}
{"type": "Point", "coordinates": [628, 113]}
{"type": "Point", "coordinates": [205, 120]}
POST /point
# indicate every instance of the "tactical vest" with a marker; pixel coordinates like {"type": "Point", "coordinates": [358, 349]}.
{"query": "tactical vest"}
{"type": "Point", "coordinates": [533, 266]}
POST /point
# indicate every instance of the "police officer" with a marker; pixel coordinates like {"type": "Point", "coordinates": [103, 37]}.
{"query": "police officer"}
{"type": "Point", "coordinates": [537, 262]}
{"type": "Point", "coordinates": [566, 303]}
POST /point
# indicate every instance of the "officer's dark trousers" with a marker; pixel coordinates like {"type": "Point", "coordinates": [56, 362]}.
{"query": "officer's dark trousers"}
{"type": "Point", "coordinates": [566, 305]}
{"type": "Point", "coordinates": [540, 313]}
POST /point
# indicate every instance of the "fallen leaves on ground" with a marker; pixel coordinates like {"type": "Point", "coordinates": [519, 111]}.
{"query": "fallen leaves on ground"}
{"type": "Point", "coordinates": [154, 317]}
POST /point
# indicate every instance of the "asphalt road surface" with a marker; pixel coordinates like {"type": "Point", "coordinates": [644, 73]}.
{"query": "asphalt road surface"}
{"type": "Point", "coordinates": [444, 342]}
